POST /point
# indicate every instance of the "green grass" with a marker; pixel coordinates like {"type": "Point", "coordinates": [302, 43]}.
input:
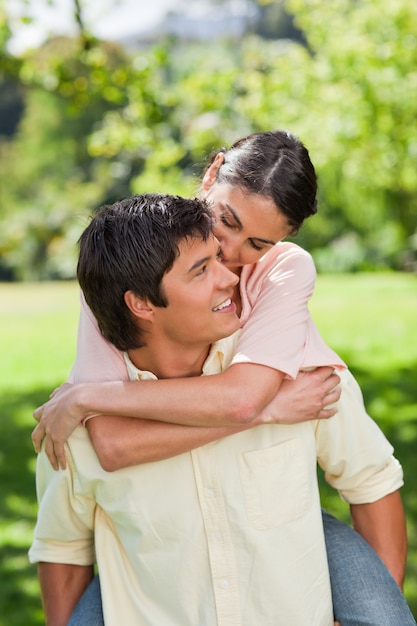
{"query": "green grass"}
{"type": "Point", "coordinates": [370, 319]}
{"type": "Point", "coordinates": [37, 343]}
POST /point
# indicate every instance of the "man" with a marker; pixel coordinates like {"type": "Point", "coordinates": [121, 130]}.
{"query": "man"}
{"type": "Point", "coordinates": [227, 534]}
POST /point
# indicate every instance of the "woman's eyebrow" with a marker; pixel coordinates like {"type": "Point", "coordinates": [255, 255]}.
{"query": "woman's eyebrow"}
{"type": "Point", "coordinates": [240, 225]}
{"type": "Point", "coordinates": [234, 215]}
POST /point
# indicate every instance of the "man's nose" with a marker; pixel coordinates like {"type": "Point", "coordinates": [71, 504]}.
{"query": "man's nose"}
{"type": "Point", "coordinates": [226, 277]}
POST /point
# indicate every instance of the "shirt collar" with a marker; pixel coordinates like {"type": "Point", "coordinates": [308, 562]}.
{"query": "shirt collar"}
{"type": "Point", "coordinates": [218, 360]}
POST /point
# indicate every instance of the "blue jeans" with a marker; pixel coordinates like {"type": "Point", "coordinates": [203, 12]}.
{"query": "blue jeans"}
{"type": "Point", "coordinates": [364, 593]}
{"type": "Point", "coordinates": [89, 611]}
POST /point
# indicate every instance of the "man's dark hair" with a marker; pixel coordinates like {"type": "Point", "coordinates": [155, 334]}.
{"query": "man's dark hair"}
{"type": "Point", "coordinates": [130, 245]}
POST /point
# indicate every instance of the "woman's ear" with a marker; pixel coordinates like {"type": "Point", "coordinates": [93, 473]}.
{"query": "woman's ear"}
{"type": "Point", "coordinates": [139, 307]}
{"type": "Point", "coordinates": [210, 175]}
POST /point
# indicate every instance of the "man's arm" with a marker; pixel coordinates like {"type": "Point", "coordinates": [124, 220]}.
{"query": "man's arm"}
{"type": "Point", "coordinates": [382, 524]}
{"type": "Point", "coordinates": [61, 587]}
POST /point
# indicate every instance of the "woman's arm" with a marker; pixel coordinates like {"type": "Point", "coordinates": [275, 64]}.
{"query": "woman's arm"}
{"type": "Point", "coordinates": [234, 397]}
{"type": "Point", "coordinates": [189, 401]}
{"type": "Point", "coordinates": [124, 441]}
{"type": "Point", "coordinates": [96, 359]}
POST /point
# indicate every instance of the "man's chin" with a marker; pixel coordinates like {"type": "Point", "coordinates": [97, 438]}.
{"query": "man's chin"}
{"type": "Point", "coordinates": [227, 333]}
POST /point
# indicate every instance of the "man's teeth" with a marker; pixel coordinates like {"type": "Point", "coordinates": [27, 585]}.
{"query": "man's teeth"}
{"type": "Point", "coordinates": [223, 305]}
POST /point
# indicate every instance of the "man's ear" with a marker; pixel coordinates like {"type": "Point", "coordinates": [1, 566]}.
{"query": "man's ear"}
{"type": "Point", "coordinates": [138, 306]}
{"type": "Point", "coordinates": [211, 173]}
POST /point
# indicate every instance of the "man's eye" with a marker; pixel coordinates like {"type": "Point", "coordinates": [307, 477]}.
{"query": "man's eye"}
{"type": "Point", "coordinates": [201, 270]}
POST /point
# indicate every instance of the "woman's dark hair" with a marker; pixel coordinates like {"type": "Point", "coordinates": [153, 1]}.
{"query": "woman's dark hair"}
{"type": "Point", "coordinates": [130, 245]}
{"type": "Point", "coordinates": [274, 164]}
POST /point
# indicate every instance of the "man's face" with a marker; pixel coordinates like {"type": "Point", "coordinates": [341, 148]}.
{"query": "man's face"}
{"type": "Point", "coordinates": [199, 290]}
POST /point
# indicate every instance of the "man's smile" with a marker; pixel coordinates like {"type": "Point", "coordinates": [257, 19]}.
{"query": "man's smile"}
{"type": "Point", "coordinates": [227, 303]}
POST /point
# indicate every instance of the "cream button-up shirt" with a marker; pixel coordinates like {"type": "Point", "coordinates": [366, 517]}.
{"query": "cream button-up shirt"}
{"type": "Point", "coordinates": [227, 535]}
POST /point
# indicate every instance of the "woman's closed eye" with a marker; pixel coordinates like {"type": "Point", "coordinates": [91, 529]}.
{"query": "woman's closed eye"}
{"type": "Point", "coordinates": [256, 246]}
{"type": "Point", "coordinates": [225, 220]}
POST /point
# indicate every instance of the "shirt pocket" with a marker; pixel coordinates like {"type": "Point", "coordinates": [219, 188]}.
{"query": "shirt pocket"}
{"type": "Point", "coordinates": [275, 484]}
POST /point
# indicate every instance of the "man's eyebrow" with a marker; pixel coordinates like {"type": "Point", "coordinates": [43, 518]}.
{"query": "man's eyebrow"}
{"type": "Point", "coordinates": [198, 263]}
{"type": "Point", "coordinates": [240, 225]}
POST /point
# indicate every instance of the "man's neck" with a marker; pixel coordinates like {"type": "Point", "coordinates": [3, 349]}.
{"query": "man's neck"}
{"type": "Point", "coordinates": [170, 361]}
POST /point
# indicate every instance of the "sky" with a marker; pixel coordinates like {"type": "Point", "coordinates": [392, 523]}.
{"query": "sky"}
{"type": "Point", "coordinates": [108, 19]}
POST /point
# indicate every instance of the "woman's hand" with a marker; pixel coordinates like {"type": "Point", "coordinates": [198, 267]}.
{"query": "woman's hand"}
{"type": "Point", "coordinates": [57, 419]}
{"type": "Point", "coordinates": [312, 395]}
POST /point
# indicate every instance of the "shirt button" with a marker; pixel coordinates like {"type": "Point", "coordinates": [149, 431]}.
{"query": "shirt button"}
{"type": "Point", "coordinates": [209, 493]}
{"type": "Point", "coordinates": [218, 536]}
{"type": "Point", "coordinates": [224, 584]}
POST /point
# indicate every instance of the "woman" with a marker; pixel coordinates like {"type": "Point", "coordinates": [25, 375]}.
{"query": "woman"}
{"type": "Point", "coordinates": [272, 172]}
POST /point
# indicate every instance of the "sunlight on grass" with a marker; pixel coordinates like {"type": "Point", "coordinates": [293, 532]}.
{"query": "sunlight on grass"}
{"type": "Point", "coordinates": [41, 321]}
{"type": "Point", "coordinates": [369, 318]}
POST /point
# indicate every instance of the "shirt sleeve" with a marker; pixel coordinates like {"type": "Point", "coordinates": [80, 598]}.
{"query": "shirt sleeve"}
{"type": "Point", "coordinates": [356, 457]}
{"type": "Point", "coordinates": [96, 359]}
{"type": "Point", "coordinates": [64, 528]}
{"type": "Point", "coordinates": [277, 327]}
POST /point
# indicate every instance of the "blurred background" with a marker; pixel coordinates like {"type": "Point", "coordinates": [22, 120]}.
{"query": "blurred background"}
{"type": "Point", "coordinates": [99, 100]}
{"type": "Point", "coordinates": [102, 99]}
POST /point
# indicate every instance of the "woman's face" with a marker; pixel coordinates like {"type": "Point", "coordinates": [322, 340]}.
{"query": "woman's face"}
{"type": "Point", "coordinates": [247, 224]}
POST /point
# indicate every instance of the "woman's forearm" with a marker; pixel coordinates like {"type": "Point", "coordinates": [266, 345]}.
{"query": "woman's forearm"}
{"type": "Point", "coordinates": [124, 441]}
{"type": "Point", "coordinates": [235, 397]}
{"type": "Point", "coordinates": [305, 398]}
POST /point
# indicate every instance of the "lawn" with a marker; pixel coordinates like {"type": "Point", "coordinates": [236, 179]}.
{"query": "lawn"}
{"type": "Point", "coordinates": [370, 319]}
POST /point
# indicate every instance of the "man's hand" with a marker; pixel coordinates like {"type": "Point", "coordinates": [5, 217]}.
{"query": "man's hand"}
{"type": "Point", "coordinates": [312, 395]}
{"type": "Point", "coordinates": [57, 419]}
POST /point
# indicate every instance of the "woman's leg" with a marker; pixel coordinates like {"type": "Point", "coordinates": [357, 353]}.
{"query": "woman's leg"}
{"type": "Point", "coordinates": [88, 611]}
{"type": "Point", "coordinates": [364, 592]}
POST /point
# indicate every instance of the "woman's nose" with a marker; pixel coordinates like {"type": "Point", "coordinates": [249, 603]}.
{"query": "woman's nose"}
{"type": "Point", "coordinates": [230, 248]}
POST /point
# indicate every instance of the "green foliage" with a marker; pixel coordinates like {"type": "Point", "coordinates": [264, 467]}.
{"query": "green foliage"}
{"type": "Point", "coordinates": [363, 87]}
{"type": "Point", "coordinates": [100, 123]}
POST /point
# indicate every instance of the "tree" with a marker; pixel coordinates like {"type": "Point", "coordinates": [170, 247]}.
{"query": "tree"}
{"type": "Point", "coordinates": [130, 122]}
{"type": "Point", "coordinates": [360, 122]}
